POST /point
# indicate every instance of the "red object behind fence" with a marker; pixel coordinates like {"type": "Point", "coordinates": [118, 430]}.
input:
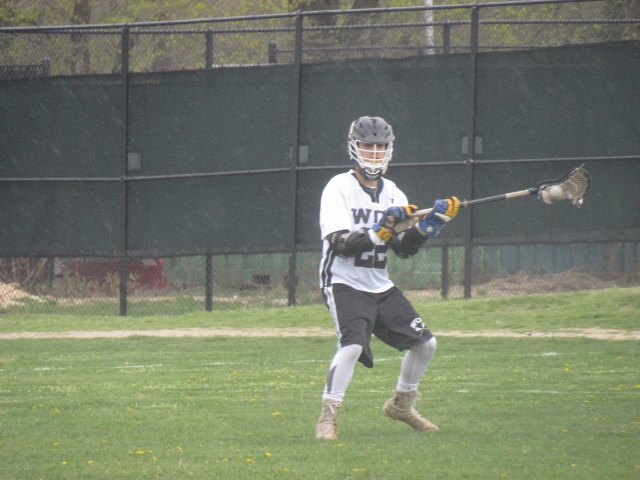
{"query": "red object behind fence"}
{"type": "Point", "coordinates": [147, 272]}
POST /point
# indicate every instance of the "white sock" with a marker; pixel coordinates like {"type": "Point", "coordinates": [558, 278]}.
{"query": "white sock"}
{"type": "Point", "coordinates": [341, 371]}
{"type": "Point", "coordinates": [414, 364]}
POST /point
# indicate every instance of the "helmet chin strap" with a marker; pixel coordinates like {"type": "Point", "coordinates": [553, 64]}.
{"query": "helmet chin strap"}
{"type": "Point", "coordinates": [363, 172]}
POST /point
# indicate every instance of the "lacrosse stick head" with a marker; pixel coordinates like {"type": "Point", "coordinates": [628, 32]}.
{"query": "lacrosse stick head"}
{"type": "Point", "coordinates": [572, 186]}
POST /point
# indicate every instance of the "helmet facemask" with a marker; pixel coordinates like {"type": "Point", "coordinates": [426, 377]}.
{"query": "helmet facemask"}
{"type": "Point", "coordinates": [368, 161]}
{"type": "Point", "coordinates": [368, 136]}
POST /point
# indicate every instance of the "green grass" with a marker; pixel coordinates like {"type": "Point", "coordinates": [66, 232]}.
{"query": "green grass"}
{"type": "Point", "coordinates": [245, 408]}
{"type": "Point", "coordinates": [611, 308]}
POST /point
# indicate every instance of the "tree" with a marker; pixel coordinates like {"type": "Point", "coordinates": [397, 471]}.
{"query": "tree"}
{"type": "Point", "coordinates": [81, 58]}
{"type": "Point", "coordinates": [11, 15]}
{"type": "Point", "coordinates": [622, 10]}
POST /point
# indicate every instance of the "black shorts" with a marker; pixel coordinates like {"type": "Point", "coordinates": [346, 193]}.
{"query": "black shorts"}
{"type": "Point", "coordinates": [388, 315]}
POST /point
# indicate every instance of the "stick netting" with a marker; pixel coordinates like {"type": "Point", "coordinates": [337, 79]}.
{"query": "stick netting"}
{"type": "Point", "coordinates": [571, 186]}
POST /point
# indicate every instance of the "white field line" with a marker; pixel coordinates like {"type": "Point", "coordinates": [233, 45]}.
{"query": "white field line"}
{"type": "Point", "coordinates": [595, 333]}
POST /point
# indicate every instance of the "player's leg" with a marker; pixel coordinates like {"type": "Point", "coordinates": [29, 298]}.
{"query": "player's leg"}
{"type": "Point", "coordinates": [401, 405]}
{"type": "Point", "coordinates": [341, 371]}
{"type": "Point", "coordinates": [349, 309]}
{"type": "Point", "coordinates": [400, 326]}
{"type": "Point", "coordinates": [414, 365]}
{"type": "Point", "coordinates": [338, 379]}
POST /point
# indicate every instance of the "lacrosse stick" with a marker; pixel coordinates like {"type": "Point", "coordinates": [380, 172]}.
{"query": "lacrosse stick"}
{"type": "Point", "coordinates": [573, 185]}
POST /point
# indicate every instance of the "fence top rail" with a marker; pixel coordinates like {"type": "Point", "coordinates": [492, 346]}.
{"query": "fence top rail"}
{"type": "Point", "coordinates": [182, 176]}
{"type": "Point", "coordinates": [134, 25]}
{"type": "Point", "coordinates": [92, 30]}
{"type": "Point", "coordinates": [95, 30]}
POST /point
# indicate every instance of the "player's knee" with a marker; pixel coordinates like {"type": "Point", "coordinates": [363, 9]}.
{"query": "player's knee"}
{"type": "Point", "coordinates": [432, 344]}
{"type": "Point", "coordinates": [426, 349]}
{"type": "Point", "coordinates": [352, 352]}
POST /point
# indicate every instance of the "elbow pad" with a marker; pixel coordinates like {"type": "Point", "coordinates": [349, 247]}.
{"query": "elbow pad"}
{"type": "Point", "coordinates": [349, 244]}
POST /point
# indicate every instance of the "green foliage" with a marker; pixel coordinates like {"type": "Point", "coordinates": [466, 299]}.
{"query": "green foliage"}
{"type": "Point", "coordinates": [11, 15]}
{"type": "Point", "coordinates": [100, 54]}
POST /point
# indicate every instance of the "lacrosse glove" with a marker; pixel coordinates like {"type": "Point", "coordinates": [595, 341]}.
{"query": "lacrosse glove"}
{"type": "Point", "coordinates": [453, 205]}
{"type": "Point", "coordinates": [437, 218]}
{"type": "Point", "coordinates": [391, 216]}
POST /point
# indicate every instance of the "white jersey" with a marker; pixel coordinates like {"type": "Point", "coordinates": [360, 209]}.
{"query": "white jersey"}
{"type": "Point", "coordinates": [345, 205]}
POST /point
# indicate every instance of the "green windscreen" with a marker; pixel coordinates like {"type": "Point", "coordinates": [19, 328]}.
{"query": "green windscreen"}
{"type": "Point", "coordinates": [224, 137]}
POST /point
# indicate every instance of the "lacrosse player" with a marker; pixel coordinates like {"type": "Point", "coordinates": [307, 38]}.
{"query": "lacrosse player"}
{"type": "Point", "coordinates": [358, 211]}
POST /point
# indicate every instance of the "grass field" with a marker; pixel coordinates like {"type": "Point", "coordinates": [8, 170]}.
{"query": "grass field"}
{"type": "Point", "coordinates": [246, 407]}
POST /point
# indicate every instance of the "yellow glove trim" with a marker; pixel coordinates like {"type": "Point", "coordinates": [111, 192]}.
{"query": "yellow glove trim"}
{"type": "Point", "coordinates": [385, 233]}
{"type": "Point", "coordinates": [410, 209]}
{"type": "Point", "coordinates": [453, 207]}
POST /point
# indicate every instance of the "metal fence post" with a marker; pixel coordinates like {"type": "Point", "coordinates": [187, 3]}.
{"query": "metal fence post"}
{"type": "Point", "coordinates": [46, 67]}
{"type": "Point", "coordinates": [124, 172]}
{"type": "Point", "coordinates": [468, 245]}
{"type": "Point", "coordinates": [446, 38]}
{"type": "Point", "coordinates": [273, 52]}
{"type": "Point", "coordinates": [209, 48]}
{"type": "Point", "coordinates": [208, 283]}
{"type": "Point", "coordinates": [445, 271]}
{"type": "Point", "coordinates": [295, 146]}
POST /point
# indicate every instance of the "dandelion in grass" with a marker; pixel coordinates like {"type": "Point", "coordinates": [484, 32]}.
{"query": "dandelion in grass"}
{"type": "Point", "coordinates": [268, 455]}
{"type": "Point", "coordinates": [249, 460]}
{"type": "Point", "coordinates": [64, 462]}
{"type": "Point", "coordinates": [276, 414]}
{"type": "Point", "coordinates": [90, 462]}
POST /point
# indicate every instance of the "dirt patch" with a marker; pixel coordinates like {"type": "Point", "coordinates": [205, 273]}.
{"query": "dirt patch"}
{"type": "Point", "coordinates": [594, 332]}
{"type": "Point", "coordinates": [525, 283]}
{"type": "Point", "coordinates": [597, 333]}
{"type": "Point", "coordinates": [179, 332]}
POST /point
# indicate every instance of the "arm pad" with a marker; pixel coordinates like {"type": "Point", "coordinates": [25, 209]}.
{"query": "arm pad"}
{"type": "Point", "coordinates": [406, 244]}
{"type": "Point", "coordinates": [349, 244]}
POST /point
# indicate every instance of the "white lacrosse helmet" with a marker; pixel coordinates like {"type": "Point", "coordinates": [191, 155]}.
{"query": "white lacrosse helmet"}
{"type": "Point", "coordinates": [374, 131]}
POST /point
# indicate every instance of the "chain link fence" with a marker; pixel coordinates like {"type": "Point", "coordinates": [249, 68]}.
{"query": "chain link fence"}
{"type": "Point", "coordinates": [327, 37]}
{"type": "Point", "coordinates": [173, 285]}
{"type": "Point", "coordinates": [90, 286]}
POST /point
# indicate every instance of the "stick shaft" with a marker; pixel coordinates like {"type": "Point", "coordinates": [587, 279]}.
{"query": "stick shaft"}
{"type": "Point", "coordinates": [477, 201]}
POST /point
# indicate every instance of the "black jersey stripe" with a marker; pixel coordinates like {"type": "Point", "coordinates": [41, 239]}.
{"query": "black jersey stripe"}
{"type": "Point", "coordinates": [326, 267]}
